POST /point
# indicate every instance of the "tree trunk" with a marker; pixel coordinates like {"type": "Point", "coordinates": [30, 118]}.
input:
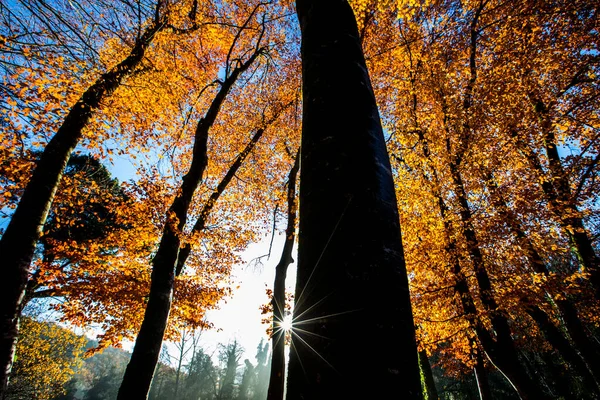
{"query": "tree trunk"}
{"type": "Point", "coordinates": [354, 335]}
{"type": "Point", "coordinates": [502, 350]}
{"type": "Point", "coordinates": [505, 359]}
{"type": "Point", "coordinates": [558, 194]}
{"type": "Point", "coordinates": [481, 375]}
{"type": "Point", "coordinates": [427, 382]}
{"type": "Point", "coordinates": [277, 378]}
{"type": "Point", "coordinates": [200, 224]}
{"type": "Point", "coordinates": [139, 372]}
{"type": "Point", "coordinates": [18, 243]}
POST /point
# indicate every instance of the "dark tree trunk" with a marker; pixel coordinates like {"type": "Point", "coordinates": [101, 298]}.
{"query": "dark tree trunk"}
{"type": "Point", "coordinates": [354, 335]}
{"type": "Point", "coordinates": [277, 377]}
{"type": "Point", "coordinates": [587, 348]}
{"type": "Point", "coordinates": [563, 205]}
{"type": "Point", "coordinates": [505, 358]}
{"type": "Point", "coordinates": [502, 350]}
{"type": "Point", "coordinates": [427, 382]}
{"type": "Point", "coordinates": [570, 216]}
{"type": "Point", "coordinates": [139, 372]}
{"type": "Point", "coordinates": [18, 243]}
{"type": "Point", "coordinates": [562, 382]}
{"type": "Point", "coordinates": [200, 224]}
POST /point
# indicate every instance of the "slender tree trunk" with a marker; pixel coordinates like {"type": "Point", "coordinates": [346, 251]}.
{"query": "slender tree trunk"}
{"type": "Point", "coordinates": [557, 191]}
{"type": "Point", "coordinates": [277, 378]}
{"type": "Point", "coordinates": [462, 286]}
{"type": "Point", "coordinates": [427, 382]}
{"type": "Point", "coordinates": [355, 335]}
{"type": "Point", "coordinates": [503, 350]}
{"type": "Point", "coordinates": [139, 372]}
{"type": "Point", "coordinates": [179, 363]}
{"type": "Point", "coordinates": [200, 224]}
{"type": "Point", "coordinates": [588, 348]}
{"type": "Point", "coordinates": [18, 243]}
{"type": "Point", "coordinates": [481, 375]}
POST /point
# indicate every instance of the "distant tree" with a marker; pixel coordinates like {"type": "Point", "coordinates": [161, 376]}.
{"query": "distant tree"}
{"type": "Point", "coordinates": [101, 374]}
{"type": "Point", "coordinates": [47, 358]}
{"type": "Point", "coordinates": [263, 366]}
{"type": "Point", "coordinates": [229, 355]}
{"type": "Point", "coordinates": [201, 380]}
{"type": "Point", "coordinates": [245, 391]}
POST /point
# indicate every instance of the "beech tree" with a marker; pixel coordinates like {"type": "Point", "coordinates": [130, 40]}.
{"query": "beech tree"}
{"type": "Point", "coordinates": [18, 242]}
{"type": "Point", "coordinates": [352, 285]}
{"type": "Point", "coordinates": [244, 51]}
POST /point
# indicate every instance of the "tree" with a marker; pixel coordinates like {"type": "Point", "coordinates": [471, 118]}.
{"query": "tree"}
{"type": "Point", "coordinates": [18, 242]}
{"type": "Point", "coordinates": [352, 286]}
{"type": "Point", "coordinates": [47, 358]}
{"type": "Point", "coordinates": [229, 355]}
{"type": "Point", "coordinates": [278, 301]}
{"type": "Point", "coordinates": [437, 61]}
{"type": "Point", "coordinates": [201, 378]}
{"type": "Point", "coordinates": [138, 376]}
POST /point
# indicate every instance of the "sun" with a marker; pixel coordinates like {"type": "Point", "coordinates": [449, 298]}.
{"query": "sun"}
{"type": "Point", "coordinates": [286, 324]}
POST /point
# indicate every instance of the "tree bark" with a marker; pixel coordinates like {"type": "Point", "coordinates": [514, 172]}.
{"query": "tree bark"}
{"type": "Point", "coordinates": [18, 243]}
{"type": "Point", "coordinates": [277, 377]}
{"type": "Point", "coordinates": [354, 335]}
{"type": "Point", "coordinates": [140, 370]}
{"type": "Point", "coordinates": [427, 382]}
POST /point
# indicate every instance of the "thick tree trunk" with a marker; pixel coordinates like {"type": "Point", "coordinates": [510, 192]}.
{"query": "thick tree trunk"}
{"type": "Point", "coordinates": [354, 335]}
{"type": "Point", "coordinates": [139, 372]}
{"type": "Point", "coordinates": [18, 243]}
{"type": "Point", "coordinates": [277, 378]}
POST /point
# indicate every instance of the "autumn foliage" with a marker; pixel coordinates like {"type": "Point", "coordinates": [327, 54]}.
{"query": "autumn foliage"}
{"type": "Point", "coordinates": [490, 112]}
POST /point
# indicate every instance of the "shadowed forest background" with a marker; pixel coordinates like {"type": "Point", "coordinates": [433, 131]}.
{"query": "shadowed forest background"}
{"type": "Point", "coordinates": [146, 144]}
